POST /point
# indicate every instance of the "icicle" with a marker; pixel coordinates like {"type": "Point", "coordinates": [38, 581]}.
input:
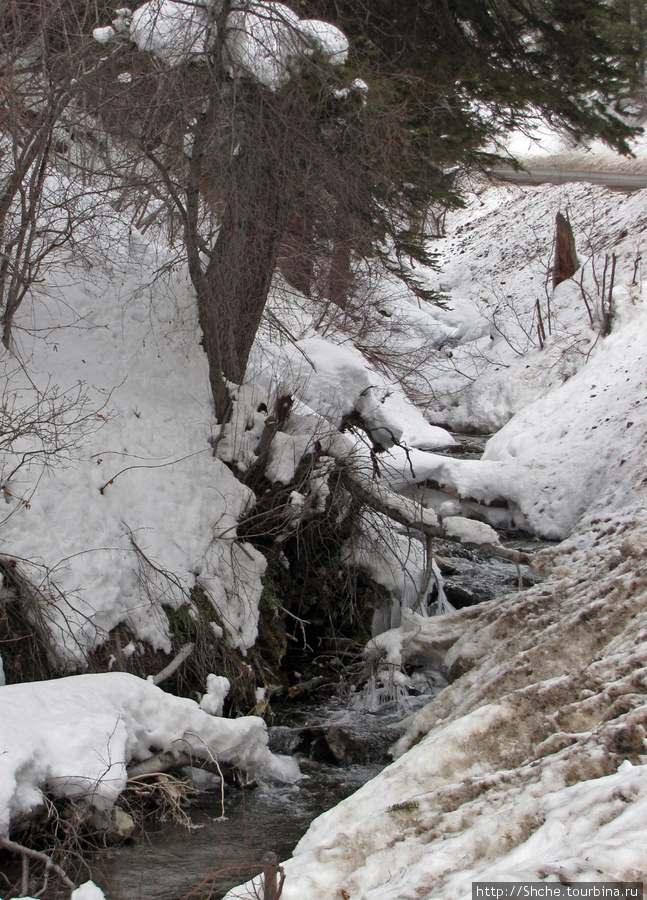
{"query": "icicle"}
{"type": "Point", "coordinates": [442, 603]}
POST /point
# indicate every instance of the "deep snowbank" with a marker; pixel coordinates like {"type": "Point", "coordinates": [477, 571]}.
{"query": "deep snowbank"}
{"type": "Point", "coordinates": [74, 737]}
{"type": "Point", "coordinates": [144, 511]}
{"type": "Point", "coordinates": [578, 448]}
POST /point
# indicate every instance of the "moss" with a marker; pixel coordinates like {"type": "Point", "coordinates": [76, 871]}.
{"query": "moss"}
{"type": "Point", "coordinates": [193, 619]}
{"type": "Point", "coordinates": [271, 643]}
{"type": "Point", "coordinates": [409, 806]}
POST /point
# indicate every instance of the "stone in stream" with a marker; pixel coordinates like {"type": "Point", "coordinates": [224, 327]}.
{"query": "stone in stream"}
{"type": "Point", "coordinates": [346, 749]}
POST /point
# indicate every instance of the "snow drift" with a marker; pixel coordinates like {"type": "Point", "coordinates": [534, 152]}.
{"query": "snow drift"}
{"type": "Point", "coordinates": [74, 737]}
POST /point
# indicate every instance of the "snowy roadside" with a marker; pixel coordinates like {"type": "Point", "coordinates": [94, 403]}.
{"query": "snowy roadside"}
{"type": "Point", "coordinates": [545, 149]}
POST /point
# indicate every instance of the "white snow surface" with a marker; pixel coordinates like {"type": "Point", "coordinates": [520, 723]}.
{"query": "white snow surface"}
{"type": "Point", "coordinates": [217, 689]}
{"type": "Point", "coordinates": [265, 39]}
{"type": "Point", "coordinates": [532, 764]}
{"type": "Point", "coordinates": [519, 768]}
{"type": "Point", "coordinates": [138, 493]}
{"type": "Point", "coordinates": [326, 383]}
{"type": "Point", "coordinates": [577, 448]}
{"type": "Point", "coordinates": [469, 531]}
{"type": "Point", "coordinates": [172, 31]}
{"type": "Point", "coordinates": [337, 380]}
{"type": "Point", "coordinates": [86, 891]}
{"type": "Point", "coordinates": [75, 736]}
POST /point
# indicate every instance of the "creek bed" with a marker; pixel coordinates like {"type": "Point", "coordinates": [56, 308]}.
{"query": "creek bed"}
{"type": "Point", "coordinates": [170, 861]}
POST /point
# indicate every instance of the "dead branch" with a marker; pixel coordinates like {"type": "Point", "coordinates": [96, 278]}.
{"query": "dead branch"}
{"type": "Point", "coordinates": [27, 853]}
{"type": "Point", "coordinates": [410, 514]}
{"type": "Point", "coordinates": [272, 887]}
{"type": "Point", "coordinates": [164, 761]}
{"type": "Point", "coordinates": [175, 664]}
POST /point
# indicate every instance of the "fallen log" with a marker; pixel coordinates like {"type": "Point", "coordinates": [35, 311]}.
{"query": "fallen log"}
{"type": "Point", "coordinates": [412, 515]}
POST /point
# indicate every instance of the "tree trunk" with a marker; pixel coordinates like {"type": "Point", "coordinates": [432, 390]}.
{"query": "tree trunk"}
{"type": "Point", "coordinates": [243, 260]}
{"type": "Point", "coordinates": [296, 260]}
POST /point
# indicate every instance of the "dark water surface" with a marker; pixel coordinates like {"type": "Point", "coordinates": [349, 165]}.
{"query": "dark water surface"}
{"type": "Point", "coordinates": [171, 861]}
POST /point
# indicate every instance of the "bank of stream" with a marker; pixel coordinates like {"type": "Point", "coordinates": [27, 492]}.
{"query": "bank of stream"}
{"type": "Point", "coordinates": [341, 742]}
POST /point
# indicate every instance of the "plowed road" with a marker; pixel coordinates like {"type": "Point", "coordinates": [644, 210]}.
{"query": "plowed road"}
{"type": "Point", "coordinates": [621, 180]}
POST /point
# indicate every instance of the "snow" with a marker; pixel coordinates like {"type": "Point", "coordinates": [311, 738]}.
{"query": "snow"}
{"type": "Point", "coordinates": [217, 689]}
{"type": "Point", "coordinates": [329, 40]}
{"type": "Point", "coordinates": [75, 736]}
{"type": "Point", "coordinates": [326, 384]}
{"type": "Point", "coordinates": [518, 770]}
{"type": "Point", "coordinates": [88, 891]}
{"type": "Point", "coordinates": [469, 531]}
{"type": "Point", "coordinates": [532, 764]}
{"type": "Point", "coordinates": [263, 39]}
{"type": "Point", "coordinates": [144, 492]}
{"type": "Point", "coordinates": [337, 380]}
{"type": "Point", "coordinates": [172, 31]}
{"type": "Point", "coordinates": [574, 450]}
{"type": "Point", "coordinates": [103, 35]}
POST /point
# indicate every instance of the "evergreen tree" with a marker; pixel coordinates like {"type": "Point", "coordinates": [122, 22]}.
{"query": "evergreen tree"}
{"type": "Point", "coordinates": [339, 165]}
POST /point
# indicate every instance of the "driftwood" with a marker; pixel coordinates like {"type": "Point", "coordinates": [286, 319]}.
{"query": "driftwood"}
{"type": "Point", "coordinates": [412, 515]}
{"type": "Point", "coordinates": [307, 687]}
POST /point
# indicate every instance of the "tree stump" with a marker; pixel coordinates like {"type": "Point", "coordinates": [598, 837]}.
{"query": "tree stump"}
{"type": "Point", "coordinates": [566, 262]}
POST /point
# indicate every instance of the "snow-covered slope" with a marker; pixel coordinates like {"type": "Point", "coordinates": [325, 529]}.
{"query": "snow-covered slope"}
{"type": "Point", "coordinates": [532, 764]}
{"type": "Point", "coordinates": [119, 501]}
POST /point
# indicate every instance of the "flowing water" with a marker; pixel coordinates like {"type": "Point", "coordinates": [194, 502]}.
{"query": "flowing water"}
{"type": "Point", "coordinates": [340, 746]}
{"type": "Point", "coordinates": [171, 861]}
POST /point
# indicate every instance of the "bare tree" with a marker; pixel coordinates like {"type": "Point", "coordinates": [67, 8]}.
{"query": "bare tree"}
{"type": "Point", "coordinates": [43, 66]}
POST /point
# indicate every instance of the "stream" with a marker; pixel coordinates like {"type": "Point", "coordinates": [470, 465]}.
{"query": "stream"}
{"type": "Point", "coordinates": [340, 743]}
{"type": "Point", "coordinates": [207, 859]}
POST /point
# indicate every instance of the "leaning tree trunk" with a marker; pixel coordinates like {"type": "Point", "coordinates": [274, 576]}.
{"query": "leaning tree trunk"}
{"type": "Point", "coordinates": [243, 260]}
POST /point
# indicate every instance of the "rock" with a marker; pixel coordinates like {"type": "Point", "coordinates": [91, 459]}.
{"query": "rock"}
{"type": "Point", "coordinates": [121, 826]}
{"type": "Point", "coordinates": [346, 749]}
{"type": "Point", "coordinates": [117, 826]}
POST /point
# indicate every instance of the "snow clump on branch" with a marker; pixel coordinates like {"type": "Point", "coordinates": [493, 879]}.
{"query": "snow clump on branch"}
{"type": "Point", "coordinates": [262, 39]}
